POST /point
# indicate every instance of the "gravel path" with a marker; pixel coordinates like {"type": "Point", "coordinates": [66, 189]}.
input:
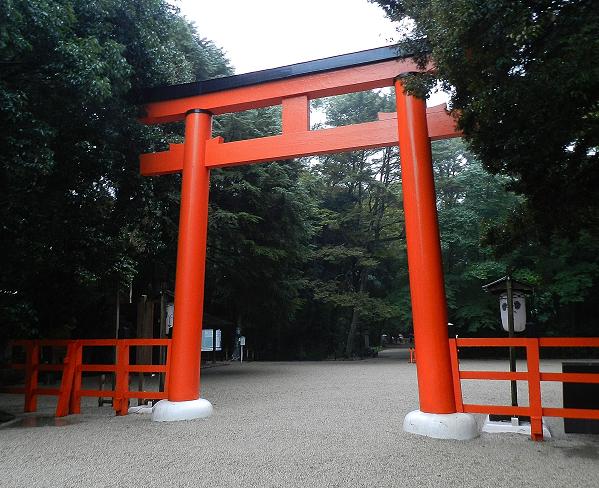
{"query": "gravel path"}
{"type": "Point", "coordinates": [287, 424]}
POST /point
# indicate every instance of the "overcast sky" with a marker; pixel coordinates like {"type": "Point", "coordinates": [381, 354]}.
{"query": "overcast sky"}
{"type": "Point", "coordinates": [261, 34]}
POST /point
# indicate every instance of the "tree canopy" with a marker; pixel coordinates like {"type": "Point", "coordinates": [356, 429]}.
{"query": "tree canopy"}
{"type": "Point", "coordinates": [77, 219]}
{"type": "Point", "coordinates": [524, 84]}
{"type": "Point", "coordinates": [307, 257]}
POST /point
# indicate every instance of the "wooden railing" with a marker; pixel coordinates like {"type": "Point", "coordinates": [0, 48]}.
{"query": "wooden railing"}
{"type": "Point", "coordinates": [72, 368]}
{"type": "Point", "coordinates": [533, 376]}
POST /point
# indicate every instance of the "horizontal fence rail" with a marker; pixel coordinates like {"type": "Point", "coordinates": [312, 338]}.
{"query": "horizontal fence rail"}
{"type": "Point", "coordinates": [70, 392]}
{"type": "Point", "coordinates": [533, 376]}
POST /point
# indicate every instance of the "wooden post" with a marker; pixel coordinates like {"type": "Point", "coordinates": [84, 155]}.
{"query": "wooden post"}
{"type": "Point", "coordinates": [427, 289]}
{"type": "Point", "coordinates": [121, 401]}
{"type": "Point", "coordinates": [184, 382]}
{"type": "Point", "coordinates": [32, 351]}
{"type": "Point", "coordinates": [75, 400]}
{"type": "Point", "coordinates": [510, 326]}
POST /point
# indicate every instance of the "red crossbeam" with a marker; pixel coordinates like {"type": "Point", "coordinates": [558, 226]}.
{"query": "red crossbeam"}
{"type": "Point", "coordinates": [297, 141]}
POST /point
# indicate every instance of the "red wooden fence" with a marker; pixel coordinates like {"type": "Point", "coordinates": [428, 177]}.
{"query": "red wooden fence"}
{"type": "Point", "coordinates": [533, 376]}
{"type": "Point", "coordinates": [70, 391]}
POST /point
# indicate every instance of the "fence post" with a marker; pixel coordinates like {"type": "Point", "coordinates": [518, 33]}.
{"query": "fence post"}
{"type": "Point", "coordinates": [116, 396]}
{"type": "Point", "coordinates": [121, 400]}
{"type": "Point", "coordinates": [455, 369]}
{"type": "Point", "coordinates": [75, 400]}
{"type": "Point", "coordinates": [32, 351]}
{"type": "Point", "coordinates": [66, 383]}
{"type": "Point", "coordinates": [167, 362]}
{"type": "Point", "coordinates": [534, 389]}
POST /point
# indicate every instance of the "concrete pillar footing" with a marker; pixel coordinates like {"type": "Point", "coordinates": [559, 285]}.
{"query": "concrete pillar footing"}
{"type": "Point", "coordinates": [167, 411]}
{"type": "Point", "coordinates": [459, 426]}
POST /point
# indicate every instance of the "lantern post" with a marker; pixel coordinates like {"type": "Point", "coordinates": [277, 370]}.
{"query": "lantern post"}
{"type": "Point", "coordinates": [511, 301]}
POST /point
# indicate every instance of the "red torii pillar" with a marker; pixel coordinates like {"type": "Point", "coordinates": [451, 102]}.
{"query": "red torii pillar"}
{"type": "Point", "coordinates": [184, 402]}
{"type": "Point", "coordinates": [437, 416]}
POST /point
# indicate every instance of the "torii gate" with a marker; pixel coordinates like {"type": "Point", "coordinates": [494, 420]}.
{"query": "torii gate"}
{"type": "Point", "coordinates": [293, 87]}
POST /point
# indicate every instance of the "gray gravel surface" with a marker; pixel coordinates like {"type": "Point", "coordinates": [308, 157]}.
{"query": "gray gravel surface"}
{"type": "Point", "coordinates": [287, 424]}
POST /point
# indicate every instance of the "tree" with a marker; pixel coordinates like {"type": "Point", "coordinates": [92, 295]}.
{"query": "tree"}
{"type": "Point", "coordinates": [77, 218]}
{"type": "Point", "coordinates": [361, 223]}
{"type": "Point", "coordinates": [79, 221]}
{"type": "Point", "coordinates": [524, 81]}
{"type": "Point", "coordinates": [563, 271]}
{"type": "Point", "coordinates": [260, 226]}
{"type": "Point", "coordinates": [470, 201]}
{"type": "Point", "coordinates": [526, 95]}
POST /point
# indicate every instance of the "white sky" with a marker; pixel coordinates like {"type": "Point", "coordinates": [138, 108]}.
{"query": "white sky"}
{"type": "Point", "coordinates": [261, 34]}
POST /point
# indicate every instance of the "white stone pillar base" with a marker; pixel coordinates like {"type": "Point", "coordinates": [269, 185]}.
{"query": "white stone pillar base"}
{"type": "Point", "coordinates": [460, 426]}
{"type": "Point", "coordinates": [513, 427]}
{"type": "Point", "coordinates": [167, 411]}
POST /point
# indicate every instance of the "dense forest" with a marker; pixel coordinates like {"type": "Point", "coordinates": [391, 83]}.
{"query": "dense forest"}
{"type": "Point", "coordinates": [306, 257]}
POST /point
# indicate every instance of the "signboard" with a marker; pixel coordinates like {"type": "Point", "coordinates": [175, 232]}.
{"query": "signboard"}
{"type": "Point", "coordinates": [242, 340]}
{"type": "Point", "coordinates": [170, 317]}
{"type": "Point", "coordinates": [207, 336]}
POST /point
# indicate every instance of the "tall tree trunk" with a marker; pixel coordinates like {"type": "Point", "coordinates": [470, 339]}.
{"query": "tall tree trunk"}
{"type": "Point", "coordinates": [355, 320]}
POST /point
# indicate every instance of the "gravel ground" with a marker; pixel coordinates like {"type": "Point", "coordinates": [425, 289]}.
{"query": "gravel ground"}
{"type": "Point", "coordinates": [308, 424]}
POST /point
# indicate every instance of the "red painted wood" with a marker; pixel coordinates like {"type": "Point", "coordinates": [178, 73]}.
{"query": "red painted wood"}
{"type": "Point", "coordinates": [571, 413]}
{"type": "Point", "coordinates": [70, 392]}
{"type": "Point", "coordinates": [295, 114]}
{"type": "Point", "coordinates": [569, 342]}
{"type": "Point", "coordinates": [66, 383]}
{"type": "Point", "coordinates": [319, 85]}
{"type": "Point", "coordinates": [121, 402]}
{"type": "Point", "coordinates": [296, 142]}
{"type": "Point", "coordinates": [455, 372]}
{"type": "Point", "coordinates": [571, 377]}
{"type": "Point", "coordinates": [534, 390]}
{"type": "Point", "coordinates": [496, 409]}
{"type": "Point", "coordinates": [533, 376]}
{"type": "Point", "coordinates": [493, 375]}
{"type": "Point", "coordinates": [191, 262]}
{"type": "Point", "coordinates": [427, 289]}
{"type": "Point", "coordinates": [491, 342]}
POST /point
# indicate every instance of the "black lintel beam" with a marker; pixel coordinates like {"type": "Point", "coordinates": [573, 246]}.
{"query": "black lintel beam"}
{"type": "Point", "coordinates": [359, 58]}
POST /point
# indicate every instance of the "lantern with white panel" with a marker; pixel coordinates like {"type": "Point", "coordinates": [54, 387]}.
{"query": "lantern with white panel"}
{"type": "Point", "coordinates": [512, 307]}
{"type": "Point", "coordinates": [519, 311]}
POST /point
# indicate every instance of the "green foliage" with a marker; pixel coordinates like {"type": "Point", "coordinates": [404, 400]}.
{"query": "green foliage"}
{"type": "Point", "coordinates": [469, 201]}
{"type": "Point", "coordinates": [360, 223]}
{"type": "Point", "coordinates": [524, 82]}
{"type": "Point", "coordinates": [77, 219]}
{"type": "Point", "coordinates": [565, 274]}
{"type": "Point", "coordinates": [308, 257]}
{"type": "Point", "coordinates": [260, 228]}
